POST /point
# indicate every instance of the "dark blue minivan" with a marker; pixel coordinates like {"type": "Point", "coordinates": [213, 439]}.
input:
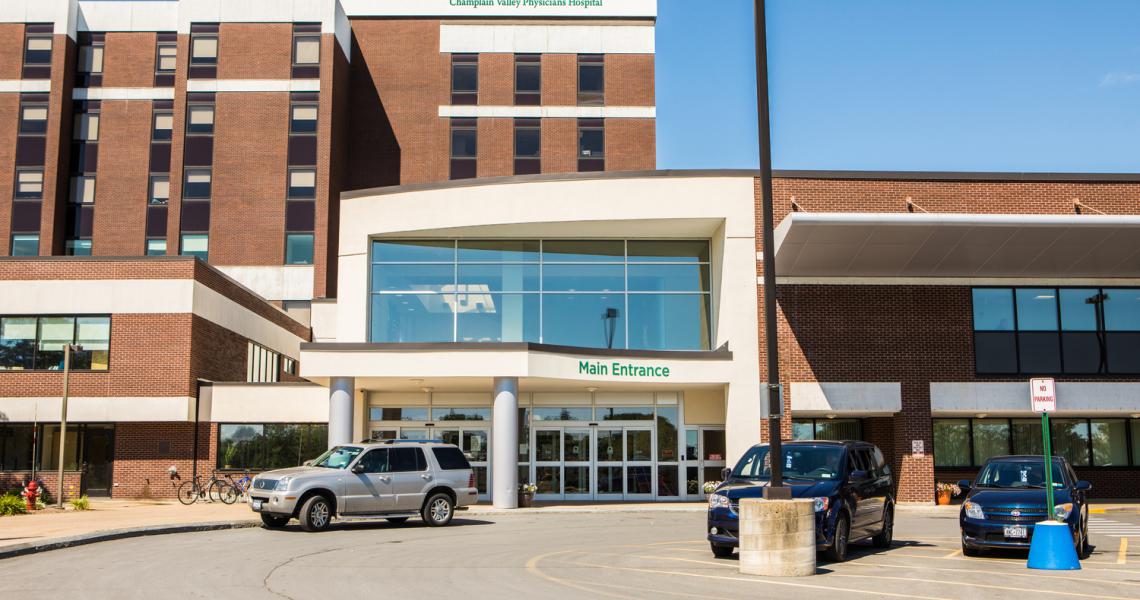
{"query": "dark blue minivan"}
{"type": "Point", "coordinates": [850, 483]}
{"type": "Point", "coordinates": [1008, 498]}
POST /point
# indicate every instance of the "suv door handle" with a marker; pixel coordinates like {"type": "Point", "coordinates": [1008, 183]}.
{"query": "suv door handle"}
{"type": "Point", "coordinates": [426, 476]}
{"type": "Point", "coordinates": [384, 478]}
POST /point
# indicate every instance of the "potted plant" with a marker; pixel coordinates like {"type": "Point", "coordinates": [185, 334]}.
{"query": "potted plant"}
{"type": "Point", "coordinates": [710, 487]}
{"type": "Point", "coordinates": [946, 491]}
{"type": "Point", "coordinates": [526, 494]}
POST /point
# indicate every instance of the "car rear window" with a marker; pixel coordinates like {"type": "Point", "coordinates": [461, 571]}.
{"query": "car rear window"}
{"type": "Point", "coordinates": [450, 459]}
{"type": "Point", "coordinates": [406, 459]}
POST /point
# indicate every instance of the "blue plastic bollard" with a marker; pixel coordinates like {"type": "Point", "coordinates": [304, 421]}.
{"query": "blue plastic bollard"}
{"type": "Point", "coordinates": [1052, 548]}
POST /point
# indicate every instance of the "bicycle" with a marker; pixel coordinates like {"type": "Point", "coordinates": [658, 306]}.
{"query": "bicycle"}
{"type": "Point", "coordinates": [215, 489]}
{"type": "Point", "coordinates": [242, 485]}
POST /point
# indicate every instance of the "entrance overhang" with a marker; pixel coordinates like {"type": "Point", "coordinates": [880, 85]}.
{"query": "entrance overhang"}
{"type": "Point", "coordinates": [392, 366]}
{"type": "Point", "coordinates": [928, 245]}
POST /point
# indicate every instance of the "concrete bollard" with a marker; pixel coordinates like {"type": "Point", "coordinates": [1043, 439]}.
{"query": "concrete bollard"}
{"type": "Point", "coordinates": [777, 537]}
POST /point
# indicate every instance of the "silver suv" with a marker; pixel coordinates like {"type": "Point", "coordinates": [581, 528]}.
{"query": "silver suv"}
{"type": "Point", "coordinates": [396, 479]}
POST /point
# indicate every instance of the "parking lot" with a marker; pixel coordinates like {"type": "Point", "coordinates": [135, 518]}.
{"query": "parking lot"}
{"type": "Point", "coordinates": [604, 555]}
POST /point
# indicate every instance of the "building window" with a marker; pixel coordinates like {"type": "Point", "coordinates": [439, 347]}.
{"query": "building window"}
{"type": "Point", "coordinates": [17, 446]}
{"type": "Point", "coordinates": [163, 126]}
{"type": "Point", "coordinates": [200, 119]}
{"type": "Point", "coordinates": [262, 364]}
{"type": "Point", "coordinates": [195, 244]}
{"type": "Point", "coordinates": [464, 148]}
{"type": "Point", "coordinates": [465, 79]}
{"type": "Point", "coordinates": [83, 189]}
{"type": "Point", "coordinates": [528, 146]}
{"type": "Point", "coordinates": [77, 248]}
{"type": "Point", "coordinates": [29, 184]}
{"type": "Point", "coordinates": [288, 366]}
{"type": "Point", "coordinates": [37, 53]}
{"type": "Point", "coordinates": [302, 183]}
{"type": "Point", "coordinates": [37, 343]}
{"type": "Point", "coordinates": [255, 447]}
{"type": "Point", "coordinates": [33, 119]}
{"type": "Point", "coordinates": [87, 127]}
{"type": "Point", "coordinates": [591, 145]}
{"type": "Point", "coordinates": [1049, 331]}
{"type": "Point", "coordinates": [1083, 442]}
{"type": "Point", "coordinates": [298, 248]}
{"type": "Point", "coordinates": [306, 49]}
{"type": "Point", "coordinates": [159, 193]}
{"type": "Point", "coordinates": [586, 293]}
{"type": "Point", "coordinates": [198, 183]}
{"type": "Point", "coordinates": [303, 118]}
{"type": "Point", "coordinates": [166, 58]}
{"type": "Point", "coordinates": [827, 429]}
{"type": "Point", "coordinates": [591, 79]}
{"type": "Point", "coordinates": [91, 58]}
{"type": "Point", "coordinates": [204, 50]}
{"type": "Point", "coordinates": [156, 247]}
{"type": "Point", "coordinates": [528, 79]}
{"type": "Point", "coordinates": [25, 245]}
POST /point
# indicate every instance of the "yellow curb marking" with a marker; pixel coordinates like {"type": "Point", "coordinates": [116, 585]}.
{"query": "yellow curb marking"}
{"type": "Point", "coordinates": [1122, 554]}
{"type": "Point", "coordinates": [953, 554]}
{"type": "Point", "coordinates": [1035, 575]}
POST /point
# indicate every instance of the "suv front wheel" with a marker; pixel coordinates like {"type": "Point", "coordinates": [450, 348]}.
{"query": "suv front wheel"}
{"type": "Point", "coordinates": [316, 514]}
{"type": "Point", "coordinates": [438, 510]}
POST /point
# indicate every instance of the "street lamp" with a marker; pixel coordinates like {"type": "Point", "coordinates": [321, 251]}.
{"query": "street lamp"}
{"type": "Point", "coordinates": [776, 489]}
{"type": "Point", "coordinates": [67, 350]}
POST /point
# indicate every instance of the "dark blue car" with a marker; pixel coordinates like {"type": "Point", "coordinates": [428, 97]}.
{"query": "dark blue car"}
{"type": "Point", "coordinates": [849, 481]}
{"type": "Point", "coordinates": [1008, 498]}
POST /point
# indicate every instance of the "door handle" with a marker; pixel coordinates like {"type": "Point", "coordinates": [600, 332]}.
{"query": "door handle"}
{"type": "Point", "coordinates": [384, 478]}
{"type": "Point", "coordinates": [426, 476]}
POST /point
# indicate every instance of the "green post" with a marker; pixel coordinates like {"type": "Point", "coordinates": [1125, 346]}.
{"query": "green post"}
{"type": "Point", "coordinates": [1048, 465]}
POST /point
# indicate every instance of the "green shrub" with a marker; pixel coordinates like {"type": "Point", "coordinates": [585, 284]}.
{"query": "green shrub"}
{"type": "Point", "coordinates": [81, 503]}
{"type": "Point", "coordinates": [11, 504]}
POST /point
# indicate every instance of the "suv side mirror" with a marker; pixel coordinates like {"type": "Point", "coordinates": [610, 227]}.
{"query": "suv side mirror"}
{"type": "Point", "coordinates": [965, 485]}
{"type": "Point", "coordinates": [725, 473]}
{"type": "Point", "coordinates": [860, 475]}
{"type": "Point", "coordinates": [1083, 486]}
{"type": "Point", "coordinates": [358, 468]}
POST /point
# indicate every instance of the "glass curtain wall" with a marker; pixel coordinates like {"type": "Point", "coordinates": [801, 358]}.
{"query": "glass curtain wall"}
{"type": "Point", "coordinates": [627, 294]}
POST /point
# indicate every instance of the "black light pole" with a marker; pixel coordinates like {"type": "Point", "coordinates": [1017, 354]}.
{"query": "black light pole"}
{"type": "Point", "coordinates": [776, 489]}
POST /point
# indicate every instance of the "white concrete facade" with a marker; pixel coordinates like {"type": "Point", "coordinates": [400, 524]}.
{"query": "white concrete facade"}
{"type": "Point", "coordinates": [543, 39]}
{"type": "Point", "coordinates": [1012, 398]}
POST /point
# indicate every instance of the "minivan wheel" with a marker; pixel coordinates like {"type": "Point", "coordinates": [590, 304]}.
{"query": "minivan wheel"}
{"type": "Point", "coordinates": [887, 533]}
{"type": "Point", "coordinates": [720, 551]}
{"type": "Point", "coordinates": [316, 514]}
{"type": "Point", "coordinates": [438, 510]}
{"type": "Point", "coordinates": [837, 552]}
{"type": "Point", "coordinates": [274, 521]}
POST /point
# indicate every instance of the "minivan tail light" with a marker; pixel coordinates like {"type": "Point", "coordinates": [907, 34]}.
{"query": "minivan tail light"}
{"type": "Point", "coordinates": [471, 481]}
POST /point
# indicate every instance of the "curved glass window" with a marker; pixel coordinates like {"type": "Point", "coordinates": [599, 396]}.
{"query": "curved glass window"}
{"type": "Point", "coordinates": [622, 294]}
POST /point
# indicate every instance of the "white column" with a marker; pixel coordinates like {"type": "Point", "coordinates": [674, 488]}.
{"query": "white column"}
{"type": "Point", "coordinates": [340, 410]}
{"type": "Point", "coordinates": [505, 444]}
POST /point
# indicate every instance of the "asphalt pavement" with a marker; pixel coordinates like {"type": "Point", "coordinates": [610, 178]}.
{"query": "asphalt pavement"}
{"type": "Point", "coordinates": [536, 556]}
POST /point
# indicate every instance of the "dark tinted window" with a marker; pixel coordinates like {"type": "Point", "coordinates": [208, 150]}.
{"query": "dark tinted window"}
{"type": "Point", "coordinates": [375, 461]}
{"type": "Point", "coordinates": [406, 459]}
{"type": "Point", "coordinates": [450, 459]}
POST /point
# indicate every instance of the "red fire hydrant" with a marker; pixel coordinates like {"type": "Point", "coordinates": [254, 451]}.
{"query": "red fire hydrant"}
{"type": "Point", "coordinates": [31, 493]}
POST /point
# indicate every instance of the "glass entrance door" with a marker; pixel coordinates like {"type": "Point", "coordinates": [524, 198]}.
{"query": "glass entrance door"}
{"type": "Point", "coordinates": [639, 464]}
{"type": "Point", "coordinates": [577, 464]}
{"type": "Point", "coordinates": [704, 458]}
{"type": "Point", "coordinates": [609, 469]}
{"type": "Point", "coordinates": [548, 463]}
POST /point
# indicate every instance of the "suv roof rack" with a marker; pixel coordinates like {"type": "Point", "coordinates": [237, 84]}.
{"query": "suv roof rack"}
{"type": "Point", "coordinates": [412, 442]}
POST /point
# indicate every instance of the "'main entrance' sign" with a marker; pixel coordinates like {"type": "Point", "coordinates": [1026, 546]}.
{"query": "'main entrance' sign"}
{"type": "Point", "coordinates": [618, 369]}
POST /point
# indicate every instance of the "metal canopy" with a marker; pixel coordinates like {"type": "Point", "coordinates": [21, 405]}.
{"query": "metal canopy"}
{"type": "Point", "coordinates": [957, 245]}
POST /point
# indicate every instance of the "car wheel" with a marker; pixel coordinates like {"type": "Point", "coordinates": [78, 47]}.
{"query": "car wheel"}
{"type": "Point", "coordinates": [316, 514]}
{"type": "Point", "coordinates": [1084, 549]}
{"type": "Point", "coordinates": [274, 521]}
{"type": "Point", "coordinates": [887, 534]}
{"type": "Point", "coordinates": [970, 552]}
{"type": "Point", "coordinates": [397, 520]}
{"type": "Point", "coordinates": [438, 510]}
{"type": "Point", "coordinates": [720, 551]}
{"type": "Point", "coordinates": [837, 552]}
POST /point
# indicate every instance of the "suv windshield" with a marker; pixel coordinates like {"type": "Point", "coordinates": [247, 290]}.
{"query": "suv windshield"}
{"type": "Point", "coordinates": [800, 462]}
{"type": "Point", "coordinates": [338, 457]}
{"type": "Point", "coordinates": [1019, 475]}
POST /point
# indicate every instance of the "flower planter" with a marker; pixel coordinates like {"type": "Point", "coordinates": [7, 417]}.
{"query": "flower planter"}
{"type": "Point", "coordinates": [943, 498]}
{"type": "Point", "coordinates": [526, 500]}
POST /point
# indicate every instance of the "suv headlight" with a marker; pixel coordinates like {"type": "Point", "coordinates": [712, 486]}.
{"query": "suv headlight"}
{"type": "Point", "coordinates": [974, 510]}
{"type": "Point", "coordinates": [718, 501]}
{"type": "Point", "coordinates": [821, 504]}
{"type": "Point", "coordinates": [283, 483]}
{"type": "Point", "coordinates": [1062, 511]}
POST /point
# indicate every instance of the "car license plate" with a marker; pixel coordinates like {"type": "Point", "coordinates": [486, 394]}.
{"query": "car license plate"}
{"type": "Point", "coordinates": [1016, 531]}
{"type": "Point", "coordinates": [257, 505]}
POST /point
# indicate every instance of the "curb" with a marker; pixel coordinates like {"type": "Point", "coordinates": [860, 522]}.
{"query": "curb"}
{"type": "Point", "coordinates": [118, 534]}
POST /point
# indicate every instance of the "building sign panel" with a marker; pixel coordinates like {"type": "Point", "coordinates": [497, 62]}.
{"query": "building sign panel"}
{"type": "Point", "coordinates": [502, 8]}
{"type": "Point", "coordinates": [620, 369]}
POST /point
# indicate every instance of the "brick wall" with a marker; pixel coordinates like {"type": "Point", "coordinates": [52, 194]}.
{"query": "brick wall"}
{"type": "Point", "coordinates": [630, 144]}
{"type": "Point", "coordinates": [11, 51]}
{"type": "Point", "coordinates": [57, 159]}
{"type": "Point", "coordinates": [145, 451]}
{"type": "Point", "coordinates": [14, 481]}
{"type": "Point", "coordinates": [128, 59]}
{"type": "Point", "coordinates": [123, 178]}
{"type": "Point", "coordinates": [255, 51]}
{"type": "Point", "coordinates": [9, 125]}
{"type": "Point", "coordinates": [629, 80]}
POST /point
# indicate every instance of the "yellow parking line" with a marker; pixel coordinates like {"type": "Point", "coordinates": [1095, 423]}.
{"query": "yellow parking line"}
{"type": "Point", "coordinates": [953, 554]}
{"type": "Point", "coordinates": [1122, 554]}
{"type": "Point", "coordinates": [980, 585]}
{"type": "Point", "coordinates": [532, 566]}
{"type": "Point", "coordinates": [1035, 575]}
{"type": "Point", "coordinates": [1097, 511]}
{"type": "Point", "coordinates": [765, 582]}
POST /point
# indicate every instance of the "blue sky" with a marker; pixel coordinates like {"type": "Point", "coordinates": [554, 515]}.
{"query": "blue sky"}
{"type": "Point", "coordinates": [947, 85]}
